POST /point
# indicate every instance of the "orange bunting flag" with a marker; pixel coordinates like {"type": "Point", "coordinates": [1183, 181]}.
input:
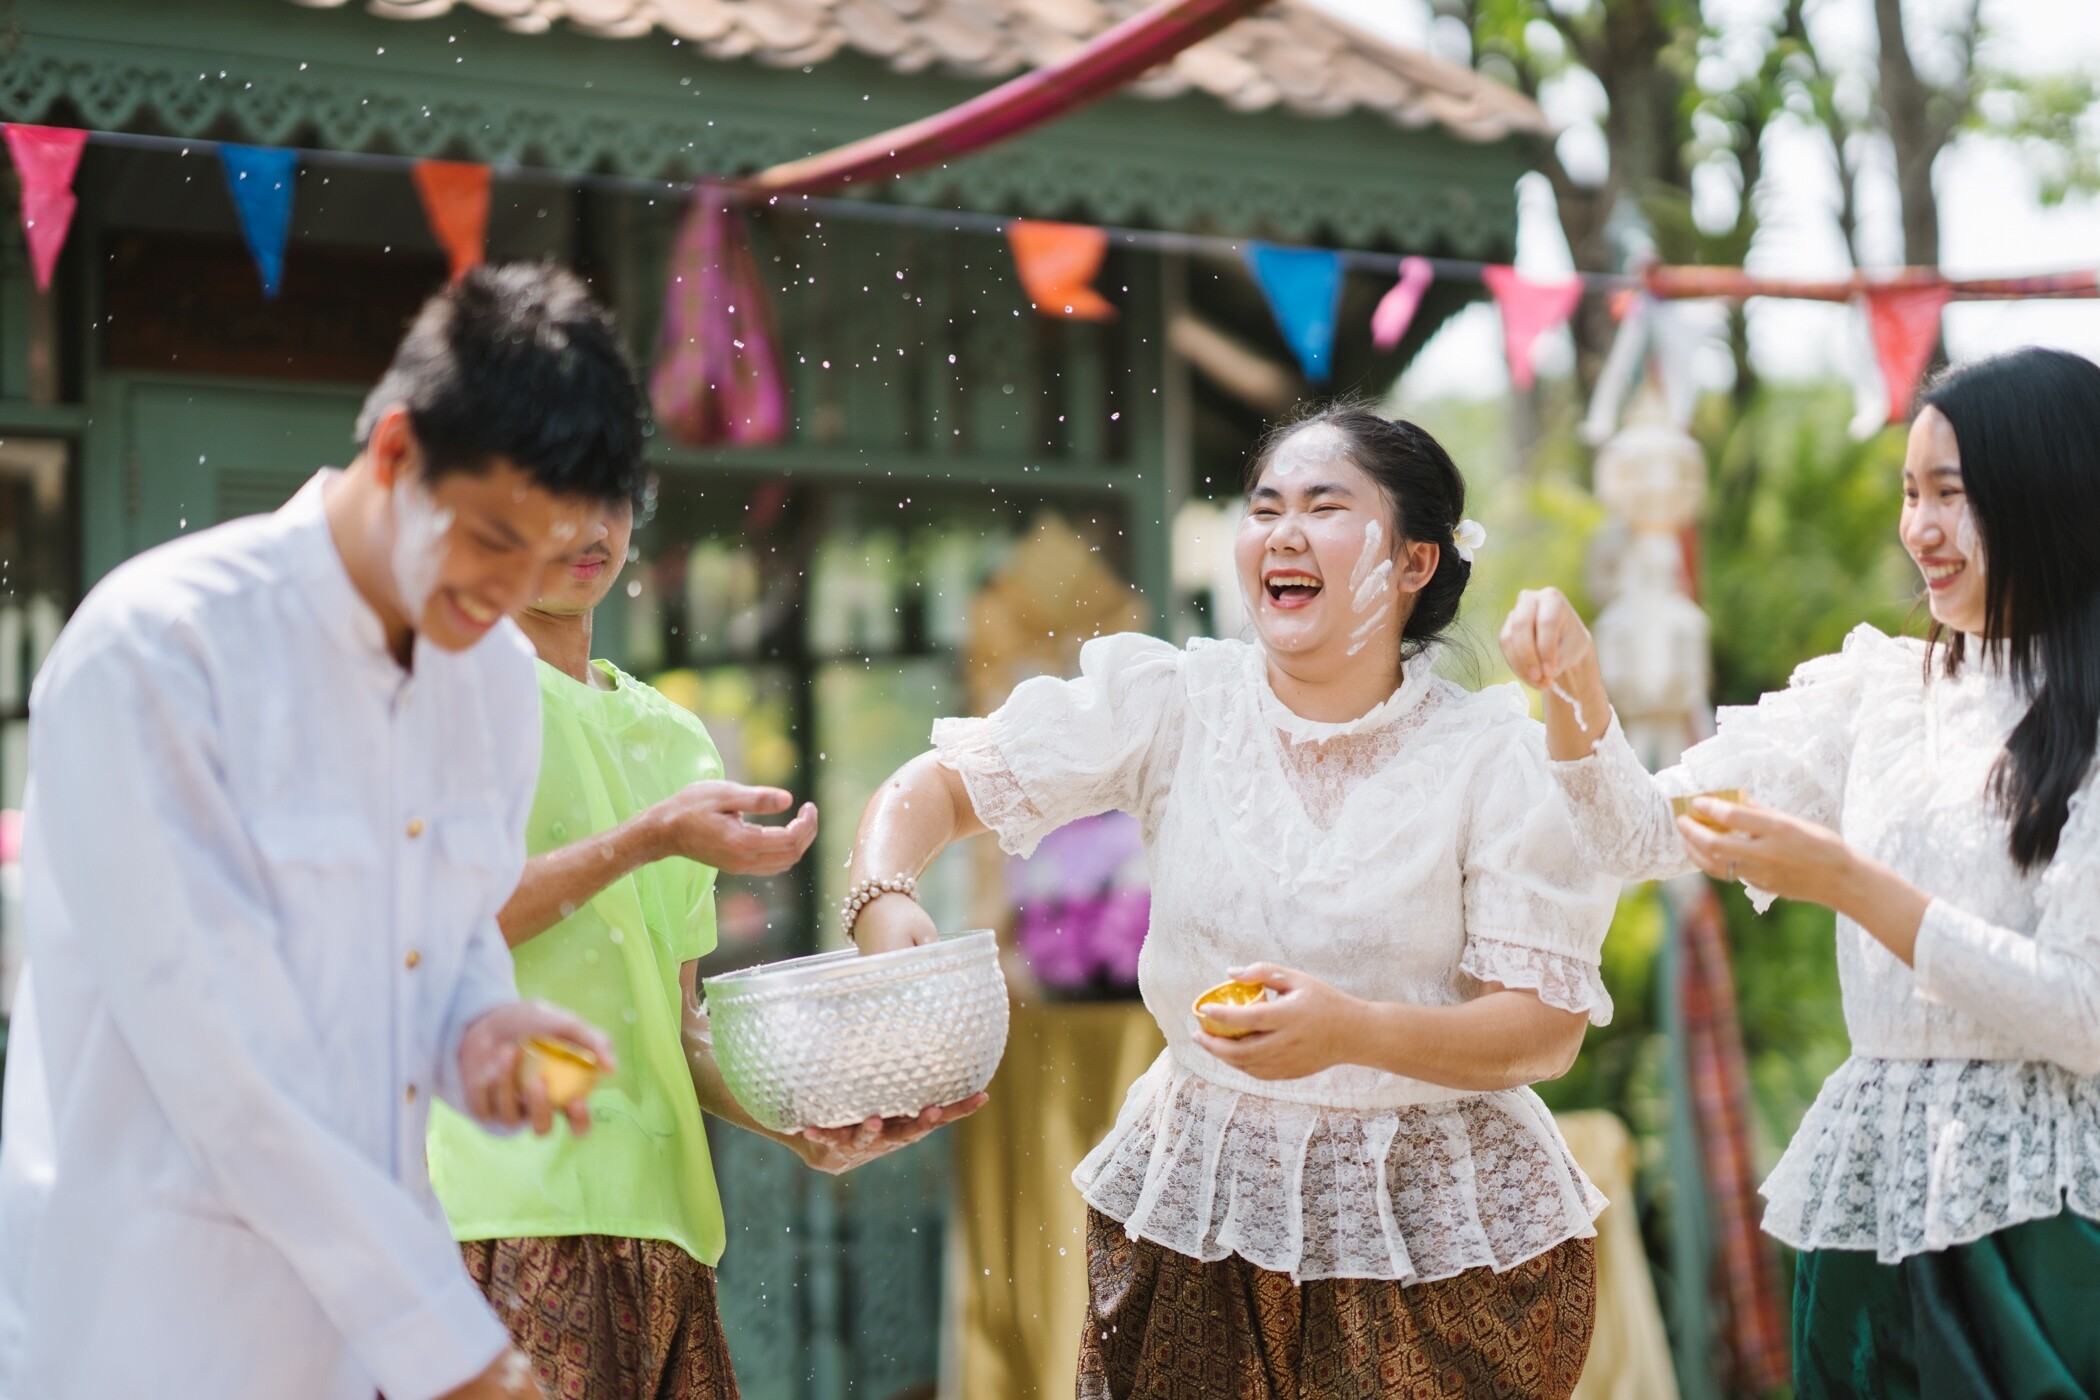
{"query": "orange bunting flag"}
{"type": "Point", "coordinates": [1057, 263]}
{"type": "Point", "coordinates": [1905, 322]}
{"type": "Point", "coordinates": [456, 202]}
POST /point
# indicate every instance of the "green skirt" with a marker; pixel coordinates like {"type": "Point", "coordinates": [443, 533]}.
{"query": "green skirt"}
{"type": "Point", "coordinates": [2015, 1315]}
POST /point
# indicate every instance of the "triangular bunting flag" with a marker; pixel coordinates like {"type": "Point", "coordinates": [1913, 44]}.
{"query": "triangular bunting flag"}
{"type": "Point", "coordinates": [1304, 288]}
{"type": "Point", "coordinates": [1905, 322]}
{"type": "Point", "coordinates": [1397, 308]}
{"type": "Point", "coordinates": [456, 202]}
{"type": "Point", "coordinates": [45, 158]}
{"type": "Point", "coordinates": [1529, 310]}
{"type": "Point", "coordinates": [718, 376]}
{"type": "Point", "coordinates": [261, 179]}
{"type": "Point", "coordinates": [1057, 263]}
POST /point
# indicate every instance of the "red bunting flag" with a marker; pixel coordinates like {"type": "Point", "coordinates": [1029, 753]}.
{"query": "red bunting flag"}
{"type": "Point", "coordinates": [45, 158]}
{"type": "Point", "coordinates": [1057, 264]}
{"type": "Point", "coordinates": [456, 202]}
{"type": "Point", "coordinates": [1396, 309]}
{"type": "Point", "coordinates": [1906, 326]}
{"type": "Point", "coordinates": [1529, 310]}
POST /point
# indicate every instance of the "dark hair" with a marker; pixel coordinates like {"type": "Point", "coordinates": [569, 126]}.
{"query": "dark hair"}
{"type": "Point", "coordinates": [1420, 482]}
{"type": "Point", "coordinates": [2028, 428]}
{"type": "Point", "coordinates": [519, 362]}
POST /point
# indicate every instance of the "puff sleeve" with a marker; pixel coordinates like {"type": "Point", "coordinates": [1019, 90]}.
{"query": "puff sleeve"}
{"type": "Point", "coordinates": [1790, 751]}
{"type": "Point", "coordinates": [1059, 750]}
{"type": "Point", "coordinates": [1536, 907]}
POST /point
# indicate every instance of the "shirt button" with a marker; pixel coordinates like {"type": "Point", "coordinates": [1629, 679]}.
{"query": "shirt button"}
{"type": "Point", "coordinates": [410, 1096]}
{"type": "Point", "coordinates": [415, 827]}
{"type": "Point", "coordinates": [413, 958]}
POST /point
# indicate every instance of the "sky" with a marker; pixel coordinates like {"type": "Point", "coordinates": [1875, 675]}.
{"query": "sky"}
{"type": "Point", "coordinates": [1992, 220]}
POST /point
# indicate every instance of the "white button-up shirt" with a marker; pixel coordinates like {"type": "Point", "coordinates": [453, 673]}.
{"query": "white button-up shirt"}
{"type": "Point", "coordinates": [262, 864]}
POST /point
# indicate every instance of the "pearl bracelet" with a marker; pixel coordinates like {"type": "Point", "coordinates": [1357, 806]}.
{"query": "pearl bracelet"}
{"type": "Point", "coordinates": [868, 891]}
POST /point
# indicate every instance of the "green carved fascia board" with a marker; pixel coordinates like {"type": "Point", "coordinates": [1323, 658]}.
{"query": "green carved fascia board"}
{"type": "Point", "coordinates": [269, 72]}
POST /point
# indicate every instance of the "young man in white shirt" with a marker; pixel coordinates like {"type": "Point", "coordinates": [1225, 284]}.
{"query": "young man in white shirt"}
{"type": "Point", "coordinates": [280, 772]}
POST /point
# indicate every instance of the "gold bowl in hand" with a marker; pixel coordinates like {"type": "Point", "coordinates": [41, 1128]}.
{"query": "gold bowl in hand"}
{"type": "Point", "coordinates": [1682, 806]}
{"type": "Point", "coordinates": [1228, 994]}
{"type": "Point", "coordinates": [569, 1071]}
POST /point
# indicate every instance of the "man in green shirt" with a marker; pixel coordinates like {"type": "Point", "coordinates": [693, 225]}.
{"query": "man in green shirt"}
{"type": "Point", "coordinates": [598, 1252]}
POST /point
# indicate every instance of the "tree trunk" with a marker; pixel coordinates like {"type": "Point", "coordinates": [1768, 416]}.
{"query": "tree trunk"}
{"type": "Point", "coordinates": [1916, 132]}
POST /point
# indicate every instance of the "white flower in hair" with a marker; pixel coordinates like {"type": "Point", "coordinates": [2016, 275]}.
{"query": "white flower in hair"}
{"type": "Point", "coordinates": [1468, 537]}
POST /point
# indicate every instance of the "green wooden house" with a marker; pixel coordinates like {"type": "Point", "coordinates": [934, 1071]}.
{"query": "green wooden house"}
{"type": "Point", "coordinates": [809, 596]}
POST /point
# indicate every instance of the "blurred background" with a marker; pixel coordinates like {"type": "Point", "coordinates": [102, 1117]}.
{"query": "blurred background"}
{"type": "Point", "coordinates": [965, 481]}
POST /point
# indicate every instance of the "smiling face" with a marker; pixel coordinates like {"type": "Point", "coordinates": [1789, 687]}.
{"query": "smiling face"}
{"type": "Point", "coordinates": [476, 548]}
{"type": "Point", "coordinates": [1317, 554]}
{"type": "Point", "coordinates": [1939, 525]}
{"type": "Point", "coordinates": [587, 575]}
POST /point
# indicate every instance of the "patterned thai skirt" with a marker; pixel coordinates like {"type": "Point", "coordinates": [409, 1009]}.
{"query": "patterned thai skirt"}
{"type": "Point", "coordinates": [2015, 1314]}
{"type": "Point", "coordinates": [605, 1318]}
{"type": "Point", "coordinates": [1163, 1326]}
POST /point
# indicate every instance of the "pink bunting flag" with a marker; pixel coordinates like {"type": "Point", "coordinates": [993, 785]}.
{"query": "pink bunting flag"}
{"type": "Point", "coordinates": [718, 376]}
{"type": "Point", "coordinates": [1397, 308]}
{"type": "Point", "coordinates": [1905, 322]}
{"type": "Point", "coordinates": [1529, 310]}
{"type": "Point", "coordinates": [45, 158]}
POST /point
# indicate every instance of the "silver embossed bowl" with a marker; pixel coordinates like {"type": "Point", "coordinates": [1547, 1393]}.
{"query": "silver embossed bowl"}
{"type": "Point", "coordinates": [831, 1040]}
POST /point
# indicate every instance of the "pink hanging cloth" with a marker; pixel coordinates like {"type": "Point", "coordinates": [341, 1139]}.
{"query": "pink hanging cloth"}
{"type": "Point", "coordinates": [718, 376]}
{"type": "Point", "coordinates": [1529, 310]}
{"type": "Point", "coordinates": [45, 158]}
{"type": "Point", "coordinates": [1905, 322]}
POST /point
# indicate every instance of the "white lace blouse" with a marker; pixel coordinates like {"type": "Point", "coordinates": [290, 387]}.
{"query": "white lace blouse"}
{"type": "Point", "coordinates": [1405, 856]}
{"type": "Point", "coordinates": [1971, 1100]}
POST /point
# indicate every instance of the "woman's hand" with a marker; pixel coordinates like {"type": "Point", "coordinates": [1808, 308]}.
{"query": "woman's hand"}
{"type": "Point", "coordinates": [1549, 649]}
{"type": "Point", "coordinates": [1306, 1028]}
{"type": "Point", "coordinates": [1544, 639]}
{"type": "Point", "coordinates": [1800, 860]}
{"type": "Point", "coordinates": [891, 921]}
{"type": "Point", "coordinates": [839, 1150]}
{"type": "Point", "coordinates": [1773, 851]}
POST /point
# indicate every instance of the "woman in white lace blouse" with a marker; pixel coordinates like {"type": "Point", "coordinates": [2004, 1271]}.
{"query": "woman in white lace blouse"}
{"type": "Point", "coordinates": [1360, 1197]}
{"type": "Point", "coordinates": [1938, 796]}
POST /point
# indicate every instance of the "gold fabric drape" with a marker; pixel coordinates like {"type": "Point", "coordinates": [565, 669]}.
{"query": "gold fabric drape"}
{"type": "Point", "coordinates": [1022, 1224]}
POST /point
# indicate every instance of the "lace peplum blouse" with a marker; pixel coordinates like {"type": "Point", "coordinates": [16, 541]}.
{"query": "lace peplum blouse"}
{"type": "Point", "coordinates": [1405, 856]}
{"type": "Point", "coordinates": [1970, 1101]}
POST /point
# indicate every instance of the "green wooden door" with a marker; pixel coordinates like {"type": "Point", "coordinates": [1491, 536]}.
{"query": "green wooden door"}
{"type": "Point", "coordinates": [170, 455]}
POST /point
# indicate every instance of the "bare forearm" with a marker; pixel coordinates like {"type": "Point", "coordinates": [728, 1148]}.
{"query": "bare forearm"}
{"type": "Point", "coordinates": [921, 811]}
{"type": "Point", "coordinates": [557, 884]}
{"type": "Point", "coordinates": [1499, 1040]}
{"type": "Point", "coordinates": [1567, 739]}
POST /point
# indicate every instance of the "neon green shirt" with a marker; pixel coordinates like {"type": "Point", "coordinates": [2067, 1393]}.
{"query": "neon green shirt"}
{"type": "Point", "coordinates": [643, 1170]}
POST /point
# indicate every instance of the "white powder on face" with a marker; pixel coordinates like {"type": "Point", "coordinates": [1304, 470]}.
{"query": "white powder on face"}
{"type": "Point", "coordinates": [1967, 538]}
{"type": "Point", "coordinates": [420, 542]}
{"type": "Point", "coordinates": [1306, 449]}
{"type": "Point", "coordinates": [1365, 630]}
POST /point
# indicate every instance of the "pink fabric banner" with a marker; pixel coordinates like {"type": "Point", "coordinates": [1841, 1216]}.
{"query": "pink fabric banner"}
{"type": "Point", "coordinates": [1529, 310]}
{"type": "Point", "coordinates": [718, 377]}
{"type": "Point", "coordinates": [1905, 322]}
{"type": "Point", "coordinates": [45, 158]}
{"type": "Point", "coordinates": [1397, 308]}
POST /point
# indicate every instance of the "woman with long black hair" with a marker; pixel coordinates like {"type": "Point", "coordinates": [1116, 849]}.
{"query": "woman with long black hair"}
{"type": "Point", "coordinates": [1937, 795]}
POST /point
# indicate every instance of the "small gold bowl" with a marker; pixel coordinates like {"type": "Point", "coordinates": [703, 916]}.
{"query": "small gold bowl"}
{"type": "Point", "coordinates": [1228, 994]}
{"type": "Point", "coordinates": [569, 1071]}
{"type": "Point", "coordinates": [1682, 806]}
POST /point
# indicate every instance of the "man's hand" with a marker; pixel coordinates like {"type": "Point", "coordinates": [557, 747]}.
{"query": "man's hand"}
{"type": "Point", "coordinates": [837, 1150]}
{"type": "Point", "coordinates": [705, 822]}
{"type": "Point", "coordinates": [508, 1377]}
{"type": "Point", "coordinates": [488, 1067]}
